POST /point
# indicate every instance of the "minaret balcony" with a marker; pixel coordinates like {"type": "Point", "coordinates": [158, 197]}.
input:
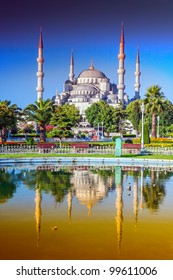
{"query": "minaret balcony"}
{"type": "Point", "coordinates": [40, 59]}
{"type": "Point", "coordinates": [40, 74]}
{"type": "Point", "coordinates": [121, 56]}
{"type": "Point", "coordinates": [121, 86]}
{"type": "Point", "coordinates": [121, 71]}
{"type": "Point", "coordinates": [137, 73]}
{"type": "Point", "coordinates": [39, 88]}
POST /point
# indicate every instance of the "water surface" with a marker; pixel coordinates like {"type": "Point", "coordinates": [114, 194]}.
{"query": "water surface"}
{"type": "Point", "coordinates": [86, 212]}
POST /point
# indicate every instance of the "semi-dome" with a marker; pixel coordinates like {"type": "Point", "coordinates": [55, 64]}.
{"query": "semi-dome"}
{"type": "Point", "coordinates": [83, 87]}
{"type": "Point", "coordinates": [112, 96]}
{"type": "Point", "coordinates": [92, 73]}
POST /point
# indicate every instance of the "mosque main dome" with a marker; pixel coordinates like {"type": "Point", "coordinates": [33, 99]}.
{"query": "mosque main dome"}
{"type": "Point", "coordinates": [92, 73]}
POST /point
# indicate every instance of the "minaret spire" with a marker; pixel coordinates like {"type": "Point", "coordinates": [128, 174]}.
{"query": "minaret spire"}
{"type": "Point", "coordinates": [137, 84]}
{"type": "Point", "coordinates": [40, 73]}
{"type": "Point", "coordinates": [121, 70]}
{"type": "Point", "coordinates": [71, 74]}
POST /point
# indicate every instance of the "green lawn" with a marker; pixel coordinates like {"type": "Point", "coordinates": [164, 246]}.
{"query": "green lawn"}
{"type": "Point", "coordinates": [169, 157]}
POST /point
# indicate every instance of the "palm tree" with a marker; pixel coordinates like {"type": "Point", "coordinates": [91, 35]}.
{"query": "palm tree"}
{"type": "Point", "coordinates": [154, 100]}
{"type": "Point", "coordinates": [41, 113]}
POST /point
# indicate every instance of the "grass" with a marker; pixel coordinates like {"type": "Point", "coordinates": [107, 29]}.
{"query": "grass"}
{"type": "Point", "coordinates": [168, 157]}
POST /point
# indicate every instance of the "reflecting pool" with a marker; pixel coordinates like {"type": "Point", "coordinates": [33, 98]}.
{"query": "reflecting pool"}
{"type": "Point", "coordinates": [86, 212]}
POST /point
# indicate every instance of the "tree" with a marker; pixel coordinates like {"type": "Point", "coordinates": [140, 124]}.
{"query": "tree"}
{"type": "Point", "coordinates": [8, 117]}
{"type": "Point", "coordinates": [60, 133]}
{"type": "Point", "coordinates": [66, 116]}
{"type": "Point", "coordinates": [120, 115]}
{"type": "Point", "coordinates": [40, 112]}
{"type": "Point", "coordinates": [102, 112]}
{"type": "Point", "coordinates": [134, 113]}
{"type": "Point", "coordinates": [166, 119]}
{"type": "Point", "coordinates": [155, 101]}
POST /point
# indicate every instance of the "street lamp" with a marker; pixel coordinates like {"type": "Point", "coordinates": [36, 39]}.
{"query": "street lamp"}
{"type": "Point", "coordinates": [142, 134]}
{"type": "Point", "coordinates": [98, 131]}
{"type": "Point", "coordinates": [158, 119]}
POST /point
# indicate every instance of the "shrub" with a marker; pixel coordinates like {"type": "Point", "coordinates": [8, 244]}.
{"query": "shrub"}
{"type": "Point", "coordinates": [146, 134]}
{"type": "Point", "coordinates": [128, 141]}
{"type": "Point", "coordinates": [137, 141]}
{"type": "Point", "coordinates": [115, 137]}
{"type": "Point", "coordinates": [129, 135]}
{"type": "Point", "coordinates": [30, 141]}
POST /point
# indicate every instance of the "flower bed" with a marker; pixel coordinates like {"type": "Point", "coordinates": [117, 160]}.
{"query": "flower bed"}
{"type": "Point", "coordinates": [158, 145]}
{"type": "Point", "coordinates": [131, 146]}
{"type": "Point", "coordinates": [14, 143]}
{"type": "Point", "coordinates": [79, 145]}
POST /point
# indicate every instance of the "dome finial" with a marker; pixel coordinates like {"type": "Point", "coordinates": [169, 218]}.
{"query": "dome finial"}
{"type": "Point", "coordinates": [91, 65]}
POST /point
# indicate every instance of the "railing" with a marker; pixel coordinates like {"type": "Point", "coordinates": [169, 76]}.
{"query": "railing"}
{"type": "Point", "coordinates": [160, 150]}
{"type": "Point", "coordinates": [34, 149]}
{"type": "Point", "coordinates": [29, 149]}
{"type": "Point", "coordinates": [18, 149]}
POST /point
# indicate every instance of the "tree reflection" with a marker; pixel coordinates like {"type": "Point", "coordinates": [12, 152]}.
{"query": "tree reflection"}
{"type": "Point", "coordinates": [154, 192]}
{"type": "Point", "coordinates": [56, 183]}
{"type": "Point", "coordinates": [7, 185]}
{"type": "Point", "coordinates": [107, 175]}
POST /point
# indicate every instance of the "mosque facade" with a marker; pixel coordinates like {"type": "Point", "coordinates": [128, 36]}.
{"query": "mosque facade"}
{"type": "Point", "coordinates": [91, 85]}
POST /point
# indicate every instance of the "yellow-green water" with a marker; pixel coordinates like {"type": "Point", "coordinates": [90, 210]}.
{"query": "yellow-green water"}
{"type": "Point", "coordinates": [86, 214]}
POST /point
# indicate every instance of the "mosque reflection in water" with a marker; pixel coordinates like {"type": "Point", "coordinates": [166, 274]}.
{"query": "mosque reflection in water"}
{"type": "Point", "coordinates": [86, 212]}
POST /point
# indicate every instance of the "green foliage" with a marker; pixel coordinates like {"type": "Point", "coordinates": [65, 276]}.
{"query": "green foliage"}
{"type": "Point", "coordinates": [134, 113]}
{"type": "Point", "coordinates": [114, 138]}
{"type": "Point", "coordinates": [66, 116]}
{"type": "Point", "coordinates": [57, 183]}
{"type": "Point", "coordinates": [153, 195]}
{"type": "Point", "coordinates": [102, 112]}
{"type": "Point", "coordinates": [56, 132]}
{"type": "Point", "coordinates": [9, 114]}
{"type": "Point", "coordinates": [128, 141]}
{"type": "Point", "coordinates": [129, 135]}
{"type": "Point", "coordinates": [154, 105]}
{"type": "Point", "coordinates": [30, 141]}
{"type": "Point", "coordinates": [40, 112]}
{"type": "Point", "coordinates": [166, 120]}
{"type": "Point", "coordinates": [146, 133]}
{"type": "Point", "coordinates": [8, 185]}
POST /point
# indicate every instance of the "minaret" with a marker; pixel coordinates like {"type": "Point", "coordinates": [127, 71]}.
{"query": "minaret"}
{"type": "Point", "coordinates": [121, 70]}
{"type": "Point", "coordinates": [137, 76]}
{"type": "Point", "coordinates": [71, 74]}
{"type": "Point", "coordinates": [40, 73]}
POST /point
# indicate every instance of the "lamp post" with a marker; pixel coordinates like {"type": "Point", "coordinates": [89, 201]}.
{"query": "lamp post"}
{"type": "Point", "coordinates": [142, 133]}
{"type": "Point", "coordinates": [158, 119]}
{"type": "Point", "coordinates": [102, 130]}
{"type": "Point", "coordinates": [98, 131]}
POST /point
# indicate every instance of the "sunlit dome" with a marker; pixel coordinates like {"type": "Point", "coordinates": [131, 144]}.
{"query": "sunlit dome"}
{"type": "Point", "coordinates": [92, 73]}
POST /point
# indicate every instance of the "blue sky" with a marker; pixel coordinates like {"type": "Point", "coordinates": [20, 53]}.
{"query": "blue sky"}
{"type": "Point", "coordinates": [92, 29]}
